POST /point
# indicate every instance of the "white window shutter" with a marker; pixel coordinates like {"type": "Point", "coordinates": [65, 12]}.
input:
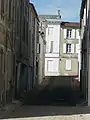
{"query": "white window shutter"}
{"type": "Point", "coordinates": [64, 48]}
{"type": "Point", "coordinates": [65, 33]}
{"type": "Point", "coordinates": [47, 47]}
{"type": "Point", "coordinates": [50, 65]}
{"type": "Point", "coordinates": [84, 16]}
{"type": "Point", "coordinates": [68, 64]}
{"type": "Point", "coordinates": [72, 48]}
{"type": "Point", "coordinates": [73, 33]}
{"type": "Point", "coordinates": [77, 48]}
{"type": "Point", "coordinates": [77, 34]}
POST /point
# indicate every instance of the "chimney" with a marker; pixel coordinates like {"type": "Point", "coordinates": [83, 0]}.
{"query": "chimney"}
{"type": "Point", "coordinates": [59, 16]}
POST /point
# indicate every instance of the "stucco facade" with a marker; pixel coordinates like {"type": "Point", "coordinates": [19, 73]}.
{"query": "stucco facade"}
{"type": "Point", "coordinates": [69, 49]}
{"type": "Point", "coordinates": [52, 44]}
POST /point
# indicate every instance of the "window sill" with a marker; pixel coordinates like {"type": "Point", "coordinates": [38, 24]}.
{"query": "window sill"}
{"type": "Point", "coordinates": [68, 70]}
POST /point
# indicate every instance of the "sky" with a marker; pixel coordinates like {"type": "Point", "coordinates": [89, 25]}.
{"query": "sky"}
{"type": "Point", "coordinates": [70, 9]}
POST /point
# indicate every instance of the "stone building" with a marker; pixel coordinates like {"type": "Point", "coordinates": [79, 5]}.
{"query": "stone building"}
{"type": "Point", "coordinates": [6, 52]}
{"type": "Point", "coordinates": [85, 49]}
{"type": "Point", "coordinates": [34, 39]}
{"type": "Point", "coordinates": [20, 40]}
{"type": "Point", "coordinates": [42, 47]}
{"type": "Point", "coordinates": [14, 17]}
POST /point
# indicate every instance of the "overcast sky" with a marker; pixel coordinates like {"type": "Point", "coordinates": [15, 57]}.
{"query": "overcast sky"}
{"type": "Point", "coordinates": [70, 9]}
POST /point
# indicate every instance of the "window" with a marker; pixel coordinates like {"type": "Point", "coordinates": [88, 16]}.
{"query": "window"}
{"type": "Point", "coordinates": [50, 65]}
{"type": "Point", "coordinates": [69, 33]}
{"type": "Point", "coordinates": [68, 64]}
{"type": "Point", "coordinates": [68, 48]}
{"type": "Point", "coordinates": [50, 31]}
{"type": "Point", "coordinates": [51, 46]}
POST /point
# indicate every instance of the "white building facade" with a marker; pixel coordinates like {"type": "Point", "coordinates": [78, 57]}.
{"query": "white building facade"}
{"type": "Point", "coordinates": [52, 50]}
{"type": "Point", "coordinates": [69, 49]}
{"type": "Point", "coordinates": [52, 44]}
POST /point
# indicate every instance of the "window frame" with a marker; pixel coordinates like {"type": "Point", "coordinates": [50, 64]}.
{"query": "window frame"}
{"type": "Point", "coordinates": [68, 48]}
{"type": "Point", "coordinates": [70, 68]}
{"type": "Point", "coordinates": [50, 33]}
{"type": "Point", "coordinates": [69, 33]}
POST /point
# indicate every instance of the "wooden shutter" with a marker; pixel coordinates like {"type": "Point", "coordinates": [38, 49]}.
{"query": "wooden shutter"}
{"type": "Point", "coordinates": [72, 48]}
{"type": "Point", "coordinates": [77, 34]}
{"type": "Point", "coordinates": [68, 64]}
{"type": "Point", "coordinates": [65, 33]}
{"type": "Point", "coordinates": [50, 65]}
{"type": "Point", "coordinates": [84, 16]}
{"type": "Point", "coordinates": [73, 34]}
{"type": "Point", "coordinates": [64, 48]}
{"type": "Point", "coordinates": [77, 48]}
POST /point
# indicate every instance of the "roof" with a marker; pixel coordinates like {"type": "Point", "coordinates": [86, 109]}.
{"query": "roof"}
{"type": "Point", "coordinates": [70, 24]}
{"type": "Point", "coordinates": [48, 16]}
{"type": "Point", "coordinates": [31, 4]}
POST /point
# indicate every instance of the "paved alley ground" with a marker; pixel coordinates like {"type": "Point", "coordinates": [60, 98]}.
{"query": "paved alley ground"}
{"type": "Point", "coordinates": [49, 113]}
{"type": "Point", "coordinates": [58, 103]}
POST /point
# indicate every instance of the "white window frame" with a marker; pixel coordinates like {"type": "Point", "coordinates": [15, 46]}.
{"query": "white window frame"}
{"type": "Point", "coordinates": [50, 30]}
{"type": "Point", "coordinates": [48, 66]}
{"type": "Point", "coordinates": [69, 33]}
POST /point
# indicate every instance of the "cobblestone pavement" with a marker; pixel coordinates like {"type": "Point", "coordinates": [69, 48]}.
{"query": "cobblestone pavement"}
{"type": "Point", "coordinates": [49, 113]}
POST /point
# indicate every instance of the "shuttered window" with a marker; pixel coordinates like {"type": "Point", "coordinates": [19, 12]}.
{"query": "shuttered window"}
{"type": "Point", "coordinates": [69, 33]}
{"type": "Point", "coordinates": [68, 48]}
